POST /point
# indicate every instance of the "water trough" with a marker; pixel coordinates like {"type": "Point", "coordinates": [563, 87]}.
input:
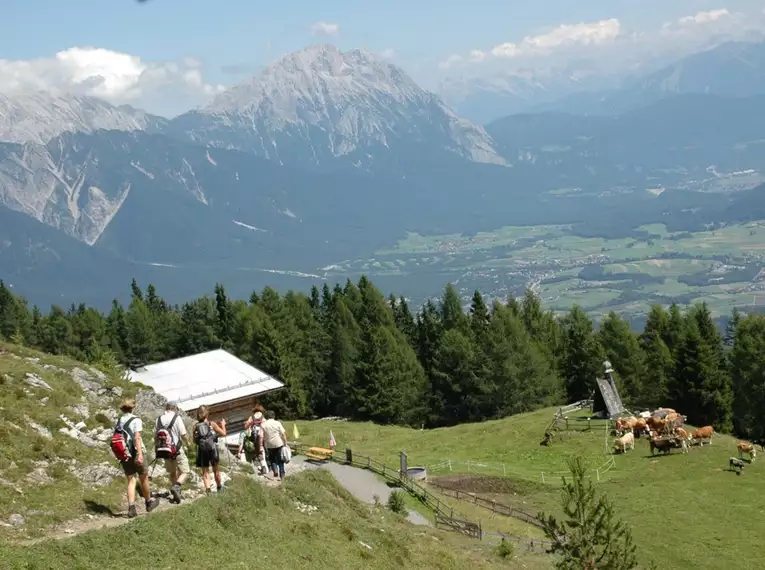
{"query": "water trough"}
{"type": "Point", "coordinates": [417, 473]}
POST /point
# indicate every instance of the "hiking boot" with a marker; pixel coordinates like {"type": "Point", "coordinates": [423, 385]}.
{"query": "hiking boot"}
{"type": "Point", "coordinates": [152, 504]}
{"type": "Point", "coordinates": [176, 493]}
{"type": "Point", "coordinates": [132, 513]}
{"type": "Point", "coordinates": [208, 491]}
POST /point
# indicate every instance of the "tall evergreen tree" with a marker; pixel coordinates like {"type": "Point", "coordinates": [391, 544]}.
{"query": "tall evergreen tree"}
{"type": "Point", "coordinates": [747, 366]}
{"type": "Point", "coordinates": [582, 355]}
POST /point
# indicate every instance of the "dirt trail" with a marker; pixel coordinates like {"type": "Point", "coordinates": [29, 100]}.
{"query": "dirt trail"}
{"type": "Point", "coordinates": [361, 484]}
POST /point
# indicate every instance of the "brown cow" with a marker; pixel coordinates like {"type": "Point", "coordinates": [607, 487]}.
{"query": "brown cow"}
{"type": "Point", "coordinates": [656, 424]}
{"type": "Point", "coordinates": [682, 434]}
{"type": "Point", "coordinates": [703, 433]}
{"type": "Point", "coordinates": [625, 424]}
{"type": "Point", "coordinates": [675, 420]}
{"type": "Point", "coordinates": [746, 447]}
{"type": "Point", "coordinates": [640, 427]}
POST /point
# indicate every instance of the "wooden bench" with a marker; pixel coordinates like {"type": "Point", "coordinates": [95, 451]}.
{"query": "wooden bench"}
{"type": "Point", "coordinates": [319, 453]}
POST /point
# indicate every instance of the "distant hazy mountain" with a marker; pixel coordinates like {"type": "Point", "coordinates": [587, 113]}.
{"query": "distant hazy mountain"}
{"type": "Point", "coordinates": [733, 69]}
{"type": "Point", "coordinates": [485, 99]}
{"type": "Point", "coordinates": [39, 117]}
{"type": "Point", "coordinates": [320, 107]}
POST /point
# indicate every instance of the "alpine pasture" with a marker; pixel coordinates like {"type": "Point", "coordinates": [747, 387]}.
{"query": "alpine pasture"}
{"type": "Point", "coordinates": [684, 510]}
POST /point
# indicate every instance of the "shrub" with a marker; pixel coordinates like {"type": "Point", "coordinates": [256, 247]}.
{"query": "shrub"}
{"type": "Point", "coordinates": [397, 502]}
{"type": "Point", "coordinates": [505, 549]}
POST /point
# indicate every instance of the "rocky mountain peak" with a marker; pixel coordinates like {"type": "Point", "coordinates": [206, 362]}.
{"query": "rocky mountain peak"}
{"type": "Point", "coordinates": [39, 117]}
{"type": "Point", "coordinates": [321, 103]}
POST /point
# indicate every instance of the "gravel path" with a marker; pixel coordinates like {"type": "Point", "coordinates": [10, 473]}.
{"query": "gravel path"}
{"type": "Point", "coordinates": [362, 484]}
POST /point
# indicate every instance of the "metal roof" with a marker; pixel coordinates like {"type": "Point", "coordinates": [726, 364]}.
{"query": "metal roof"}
{"type": "Point", "coordinates": [205, 379]}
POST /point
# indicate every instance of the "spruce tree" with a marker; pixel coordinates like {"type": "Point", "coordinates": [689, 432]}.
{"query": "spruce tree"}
{"type": "Point", "coordinates": [582, 360]}
{"type": "Point", "coordinates": [589, 537]}
{"type": "Point", "coordinates": [747, 366]}
{"type": "Point", "coordinates": [622, 349]}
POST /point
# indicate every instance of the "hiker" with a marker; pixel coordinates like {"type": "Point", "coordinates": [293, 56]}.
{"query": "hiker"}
{"type": "Point", "coordinates": [274, 440]}
{"type": "Point", "coordinates": [169, 434]}
{"type": "Point", "coordinates": [251, 441]}
{"type": "Point", "coordinates": [128, 446]}
{"type": "Point", "coordinates": [206, 434]}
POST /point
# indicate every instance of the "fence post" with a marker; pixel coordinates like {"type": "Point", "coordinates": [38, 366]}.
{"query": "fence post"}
{"type": "Point", "coordinates": [468, 465]}
{"type": "Point", "coordinates": [450, 465]}
{"type": "Point", "coordinates": [348, 456]}
{"type": "Point", "coordinates": [597, 474]}
{"type": "Point", "coordinates": [543, 476]}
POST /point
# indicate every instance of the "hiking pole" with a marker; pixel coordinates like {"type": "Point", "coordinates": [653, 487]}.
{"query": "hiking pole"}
{"type": "Point", "coordinates": [153, 465]}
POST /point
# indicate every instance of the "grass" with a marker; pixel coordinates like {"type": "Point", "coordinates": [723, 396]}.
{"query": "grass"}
{"type": "Point", "coordinates": [23, 449]}
{"type": "Point", "coordinates": [253, 525]}
{"type": "Point", "coordinates": [685, 511]}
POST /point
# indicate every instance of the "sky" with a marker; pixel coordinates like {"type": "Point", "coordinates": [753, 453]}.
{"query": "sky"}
{"type": "Point", "coordinates": [170, 55]}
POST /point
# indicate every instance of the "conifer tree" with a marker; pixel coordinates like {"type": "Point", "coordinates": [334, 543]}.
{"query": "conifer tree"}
{"type": "Point", "coordinates": [747, 366]}
{"type": "Point", "coordinates": [589, 537]}
{"type": "Point", "coordinates": [582, 355]}
{"type": "Point", "coordinates": [622, 349]}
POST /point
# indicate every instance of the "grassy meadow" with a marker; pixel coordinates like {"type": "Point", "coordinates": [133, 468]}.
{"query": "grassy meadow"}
{"type": "Point", "coordinates": [252, 525]}
{"type": "Point", "coordinates": [685, 511]}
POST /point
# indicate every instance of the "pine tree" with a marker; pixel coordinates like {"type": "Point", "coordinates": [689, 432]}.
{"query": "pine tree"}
{"type": "Point", "coordinates": [590, 537]}
{"type": "Point", "coordinates": [747, 366]}
{"type": "Point", "coordinates": [582, 355]}
{"type": "Point", "coordinates": [622, 349]}
{"type": "Point", "coordinates": [700, 387]}
{"type": "Point", "coordinates": [452, 315]}
{"type": "Point", "coordinates": [730, 328]}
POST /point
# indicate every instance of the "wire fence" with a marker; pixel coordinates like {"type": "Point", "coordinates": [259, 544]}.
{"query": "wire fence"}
{"type": "Point", "coordinates": [483, 468]}
{"type": "Point", "coordinates": [445, 515]}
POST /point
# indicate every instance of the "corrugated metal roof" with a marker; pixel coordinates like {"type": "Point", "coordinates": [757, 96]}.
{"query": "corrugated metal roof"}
{"type": "Point", "coordinates": [205, 379]}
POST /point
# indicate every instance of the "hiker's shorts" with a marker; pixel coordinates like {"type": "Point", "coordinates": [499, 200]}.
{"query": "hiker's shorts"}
{"type": "Point", "coordinates": [130, 467]}
{"type": "Point", "coordinates": [179, 464]}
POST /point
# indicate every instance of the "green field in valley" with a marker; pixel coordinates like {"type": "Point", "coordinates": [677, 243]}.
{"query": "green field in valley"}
{"type": "Point", "coordinates": [713, 514]}
{"type": "Point", "coordinates": [627, 275]}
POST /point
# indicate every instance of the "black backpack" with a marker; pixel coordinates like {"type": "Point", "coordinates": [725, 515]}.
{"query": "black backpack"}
{"type": "Point", "coordinates": [204, 436]}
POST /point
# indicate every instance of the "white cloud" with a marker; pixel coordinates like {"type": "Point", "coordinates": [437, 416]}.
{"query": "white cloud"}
{"type": "Point", "coordinates": [325, 29]}
{"type": "Point", "coordinates": [113, 76]}
{"type": "Point", "coordinates": [607, 41]}
{"type": "Point", "coordinates": [561, 37]}
{"type": "Point", "coordinates": [704, 17]}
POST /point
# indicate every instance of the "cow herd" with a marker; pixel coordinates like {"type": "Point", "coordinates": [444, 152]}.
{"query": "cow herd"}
{"type": "Point", "coordinates": [665, 431]}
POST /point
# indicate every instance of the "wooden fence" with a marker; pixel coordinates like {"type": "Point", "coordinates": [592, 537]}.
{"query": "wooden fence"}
{"type": "Point", "coordinates": [445, 516]}
{"type": "Point", "coordinates": [492, 506]}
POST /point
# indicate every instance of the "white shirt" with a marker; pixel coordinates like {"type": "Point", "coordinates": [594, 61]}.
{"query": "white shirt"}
{"type": "Point", "coordinates": [272, 434]}
{"type": "Point", "coordinates": [179, 428]}
{"type": "Point", "coordinates": [136, 426]}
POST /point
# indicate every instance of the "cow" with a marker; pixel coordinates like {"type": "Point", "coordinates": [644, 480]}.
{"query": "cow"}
{"type": "Point", "coordinates": [640, 427]}
{"type": "Point", "coordinates": [664, 445]}
{"type": "Point", "coordinates": [733, 463]}
{"type": "Point", "coordinates": [685, 445]}
{"type": "Point", "coordinates": [703, 433]}
{"type": "Point", "coordinates": [746, 447]}
{"type": "Point", "coordinates": [674, 420]}
{"type": "Point", "coordinates": [682, 434]}
{"type": "Point", "coordinates": [624, 443]}
{"type": "Point", "coordinates": [623, 425]}
{"type": "Point", "coordinates": [656, 424]}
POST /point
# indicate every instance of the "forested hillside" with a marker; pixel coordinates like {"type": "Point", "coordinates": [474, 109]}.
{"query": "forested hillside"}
{"type": "Point", "coordinates": [351, 352]}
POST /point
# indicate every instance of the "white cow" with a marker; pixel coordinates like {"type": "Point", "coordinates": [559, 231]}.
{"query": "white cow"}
{"type": "Point", "coordinates": [625, 443]}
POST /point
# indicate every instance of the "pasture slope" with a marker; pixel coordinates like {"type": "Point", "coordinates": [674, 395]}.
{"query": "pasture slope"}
{"type": "Point", "coordinates": [685, 511]}
{"type": "Point", "coordinates": [309, 522]}
{"type": "Point", "coordinates": [62, 497]}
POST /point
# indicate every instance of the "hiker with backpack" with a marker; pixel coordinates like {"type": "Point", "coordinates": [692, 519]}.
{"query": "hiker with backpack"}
{"type": "Point", "coordinates": [251, 441]}
{"type": "Point", "coordinates": [206, 434]}
{"type": "Point", "coordinates": [169, 435]}
{"type": "Point", "coordinates": [128, 447]}
{"type": "Point", "coordinates": [275, 442]}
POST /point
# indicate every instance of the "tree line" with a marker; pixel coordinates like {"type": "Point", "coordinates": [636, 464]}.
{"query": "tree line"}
{"type": "Point", "coordinates": [350, 351]}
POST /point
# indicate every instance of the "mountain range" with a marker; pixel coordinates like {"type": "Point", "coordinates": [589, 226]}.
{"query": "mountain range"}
{"type": "Point", "coordinates": [731, 69]}
{"type": "Point", "coordinates": [330, 155]}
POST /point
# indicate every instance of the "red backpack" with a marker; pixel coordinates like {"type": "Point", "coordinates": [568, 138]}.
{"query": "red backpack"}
{"type": "Point", "coordinates": [122, 444]}
{"type": "Point", "coordinates": [164, 446]}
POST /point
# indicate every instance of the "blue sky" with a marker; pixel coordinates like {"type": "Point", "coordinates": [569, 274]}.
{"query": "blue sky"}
{"type": "Point", "coordinates": [248, 34]}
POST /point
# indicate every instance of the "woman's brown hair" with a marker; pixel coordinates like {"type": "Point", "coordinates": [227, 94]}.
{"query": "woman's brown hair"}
{"type": "Point", "coordinates": [202, 413]}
